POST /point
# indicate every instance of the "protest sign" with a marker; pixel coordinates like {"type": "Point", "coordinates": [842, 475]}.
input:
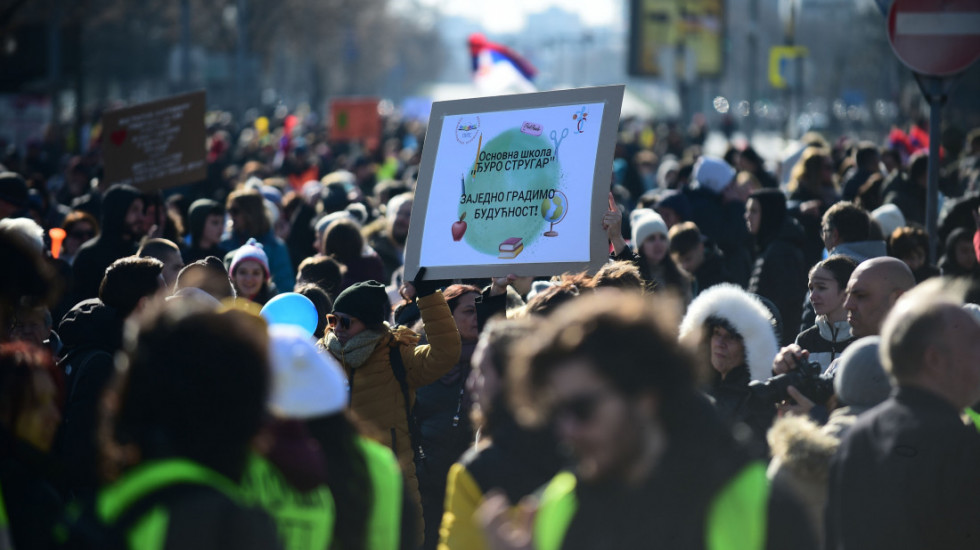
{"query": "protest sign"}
{"type": "Point", "coordinates": [355, 119]}
{"type": "Point", "coordinates": [157, 144]}
{"type": "Point", "coordinates": [515, 184]}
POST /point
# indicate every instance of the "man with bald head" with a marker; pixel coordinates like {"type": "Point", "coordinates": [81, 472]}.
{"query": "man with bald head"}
{"type": "Point", "coordinates": [872, 290]}
{"type": "Point", "coordinates": [905, 475]}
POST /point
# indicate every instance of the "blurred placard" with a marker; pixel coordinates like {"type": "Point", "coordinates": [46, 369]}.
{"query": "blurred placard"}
{"type": "Point", "coordinates": [355, 119]}
{"type": "Point", "coordinates": [677, 30]}
{"type": "Point", "coordinates": [156, 145]}
{"type": "Point", "coordinates": [779, 62]}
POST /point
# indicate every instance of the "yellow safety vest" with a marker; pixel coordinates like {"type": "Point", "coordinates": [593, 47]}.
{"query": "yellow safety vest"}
{"type": "Point", "coordinates": [385, 521]}
{"type": "Point", "coordinates": [305, 520]}
{"type": "Point", "coordinates": [736, 518]}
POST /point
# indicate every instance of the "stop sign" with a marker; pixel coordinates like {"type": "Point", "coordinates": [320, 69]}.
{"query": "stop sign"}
{"type": "Point", "coordinates": [935, 37]}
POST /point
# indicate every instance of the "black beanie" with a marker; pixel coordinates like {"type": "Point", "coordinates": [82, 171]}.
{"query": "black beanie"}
{"type": "Point", "coordinates": [367, 301]}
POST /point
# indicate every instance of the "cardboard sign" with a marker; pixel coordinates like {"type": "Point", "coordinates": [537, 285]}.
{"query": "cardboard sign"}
{"type": "Point", "coordinates": [355, 119]}
{"type": "Point", "coordinates": [156, 145]}
{"type": "Point", "coordinates": [515, 184]}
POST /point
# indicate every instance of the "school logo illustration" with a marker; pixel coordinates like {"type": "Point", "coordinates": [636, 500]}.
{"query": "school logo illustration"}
{"type": "Point", "coordinates": [467, 129]}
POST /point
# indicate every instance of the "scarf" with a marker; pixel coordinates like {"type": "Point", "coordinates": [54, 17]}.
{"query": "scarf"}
{"type": "Point", "coordinates": [356, 351]}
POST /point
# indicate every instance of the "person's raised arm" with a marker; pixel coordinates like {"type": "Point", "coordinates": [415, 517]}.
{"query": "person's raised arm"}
{"type": "Point", "coordinates": [612, 223]}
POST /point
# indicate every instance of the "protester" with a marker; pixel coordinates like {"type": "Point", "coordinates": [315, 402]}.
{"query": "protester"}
{"type": "Point", "coordinates": [249, 220]}
{"type": "Point", "coordinates": [638, 435]}
{"type": "Point", "coordinates": [388, 238]}
{"type": "Point", "coordinates": [206, 221]}
{"type": "Point", "coordinates": [846, 230]}
{"type": "Point", "coordinates": [905, 474]}
{"type": "Point", "coordinates": [31, 403]}
{"type": "Point", "coordinates": [80, 227]}
{"type": "Point", "coordinates": [779, 273]}
{"type": "Point", "coordinates": [342, 242]}
{"type": "Point", "coordinates": [697, 256]}
{"type": "Point", "coordinates": [440, 409]}
{"type": "Point", "coordinates": [122, 227]}
{"type": "Point", "coordinates": [508, 458]}
{"type": "Point", "coordinates": [208, 275]}
{"type": "Point", "coordinates": [326, 485]}
{"type": "Point", "coordinates": [178, 432]}
{"type": "Point", "coordinates": [719, 213]}
{"type": "Point", "coordinates": [387, 365]}
{"type": "Point", "coordinates": [911, 245]}
{"type": "Point", "coordinates": [168, 253]}
{"type": "Point", "coordinates": [733, 331]}
{"type": "Point", "coordinates": [831, 333]}
{"type": "Point", "coordinates": [249, 272]}
{"type": "Point", "coordinates": [960, 259]}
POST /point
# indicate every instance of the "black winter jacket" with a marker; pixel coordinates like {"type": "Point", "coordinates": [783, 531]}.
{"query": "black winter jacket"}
{"type": "Point", "coordinates": [780, 274]}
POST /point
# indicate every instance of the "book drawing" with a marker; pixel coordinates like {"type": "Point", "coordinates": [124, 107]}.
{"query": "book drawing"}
{"type": "Point", "coordinates": [510, 248]}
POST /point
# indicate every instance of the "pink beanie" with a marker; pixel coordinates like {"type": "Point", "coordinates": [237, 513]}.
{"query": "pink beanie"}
{"type": "Point", "coordinates": [251, 250]}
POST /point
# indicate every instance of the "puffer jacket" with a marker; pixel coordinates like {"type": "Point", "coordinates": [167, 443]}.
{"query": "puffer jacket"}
{"type": "Point", "coordinates": [376, 397]}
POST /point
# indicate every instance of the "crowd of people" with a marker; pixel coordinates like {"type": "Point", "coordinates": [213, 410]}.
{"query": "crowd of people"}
{"type": "Point", "coordinates": [770, 358]}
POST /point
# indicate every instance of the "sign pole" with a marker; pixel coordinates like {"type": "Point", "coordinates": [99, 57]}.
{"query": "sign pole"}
{"type": "Point", "coordinates": [934, 89]}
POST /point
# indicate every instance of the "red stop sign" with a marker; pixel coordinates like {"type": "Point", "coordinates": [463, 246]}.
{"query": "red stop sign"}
{"type": "Point", "coordinates": [935, 37]}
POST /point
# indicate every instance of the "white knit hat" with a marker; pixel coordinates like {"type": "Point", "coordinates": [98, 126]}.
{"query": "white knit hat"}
{"type": "Point", "coordinates": [889, 217]}
{"type": "Point", "coordinates": [644, 223]}
{"type": "Point", "coordinates": [306, 383]}
{"type": "Point", "coordinates": [713, 173]}
{"type": "Point", "coordinates": [251, 250]}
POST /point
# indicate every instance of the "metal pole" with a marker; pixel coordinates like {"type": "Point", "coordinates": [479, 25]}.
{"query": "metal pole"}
{"type": "Point", "coordinates": [936, 100]}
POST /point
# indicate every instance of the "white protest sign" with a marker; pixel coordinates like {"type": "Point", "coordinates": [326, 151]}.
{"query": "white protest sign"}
{"type": "Point", "coordinates": [515, 184]}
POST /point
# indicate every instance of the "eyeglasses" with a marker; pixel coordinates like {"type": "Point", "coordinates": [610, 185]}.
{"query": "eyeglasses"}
{"type": "Point", "coordinates": [334, 320]}
{"type": "Point", "coordinates": [580, 409]}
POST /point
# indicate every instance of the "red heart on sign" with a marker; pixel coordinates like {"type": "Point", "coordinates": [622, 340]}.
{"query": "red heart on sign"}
{"type": "Point", "coordinates": [118, 136]}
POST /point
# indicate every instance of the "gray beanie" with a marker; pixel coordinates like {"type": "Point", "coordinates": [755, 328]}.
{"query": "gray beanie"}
{"type": "Point", "coordinates": [861, 382]}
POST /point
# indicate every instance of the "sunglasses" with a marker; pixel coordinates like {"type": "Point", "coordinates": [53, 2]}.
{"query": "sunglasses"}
{"type": "Point", "coordinates": [580, 409]}
{"type": "Point", "coordinates": [334, 320]}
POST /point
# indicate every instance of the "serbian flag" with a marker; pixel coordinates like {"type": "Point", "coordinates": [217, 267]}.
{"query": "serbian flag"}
{"type": "Point", "coordinates": [498, 69]}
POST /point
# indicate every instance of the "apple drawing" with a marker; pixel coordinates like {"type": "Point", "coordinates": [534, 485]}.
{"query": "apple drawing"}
{"type": "Point", "coordinates": [459, 228]}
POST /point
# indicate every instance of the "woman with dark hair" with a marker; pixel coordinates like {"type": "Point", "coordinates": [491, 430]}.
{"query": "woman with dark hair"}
{"type": "Point", "coordinates": [342, 241]}
{"type": "Point", "coordinates": [734, 328]}
{"type": "Point", "coordinates": [31, 403]}
{"type": "Point", "coordinates": [326, 486]}
{"type": "Point", "coordinates": [507, 457]}
{"type": "Point", "coordinates": [249, 220]}
{"type": "Point", "coordinates": [180, 420]}
{"type": "Point", "coordinates": [779, 273]}
{"type": "Point", "coordinates": [206, 222]}
{"type": "Point", "coordinates": [80, 227]}
{"type": "Point", "coordinates": [831, 334]}
{"type": "Point", "coordinates": [960, 259]}
{"type": "Point", "coordinates": [440, 409]}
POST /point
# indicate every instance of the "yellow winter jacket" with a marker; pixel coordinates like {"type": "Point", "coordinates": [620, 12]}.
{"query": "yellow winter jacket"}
{"type": "Point", "coordinates": [376, 397]}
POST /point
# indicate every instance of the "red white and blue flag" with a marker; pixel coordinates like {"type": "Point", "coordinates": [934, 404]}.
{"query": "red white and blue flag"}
{"type": "Point", "coordinates": [498, 69]}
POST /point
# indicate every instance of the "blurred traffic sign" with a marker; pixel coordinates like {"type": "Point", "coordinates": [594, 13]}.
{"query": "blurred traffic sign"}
{"type": "Point", "coordinates": [935, 37]}
{"type": "Point", "coordinates": [779, 63]}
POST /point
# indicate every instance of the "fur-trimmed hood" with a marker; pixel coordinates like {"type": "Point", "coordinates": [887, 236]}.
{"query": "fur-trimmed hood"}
{"type": "Point", "coordinates": [745, 313]}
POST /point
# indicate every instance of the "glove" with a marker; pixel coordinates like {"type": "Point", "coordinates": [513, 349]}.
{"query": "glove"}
{"type": "Point", "coordinates": [425, 288]}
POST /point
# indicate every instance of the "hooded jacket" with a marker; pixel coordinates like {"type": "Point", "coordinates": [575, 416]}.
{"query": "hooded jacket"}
{"type": "Point", "coordinates": [97, 254]}
{"type": "Point", "coordinates": [861, 250]}
{"type": "Point", "coordinates": [780, 271]}
{"type": "Point", "coordinates": [91, 333]}
{"type": "Point", "coordinates": [750, 319]}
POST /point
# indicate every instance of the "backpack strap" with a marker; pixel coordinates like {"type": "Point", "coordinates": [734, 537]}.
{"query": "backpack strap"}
{"type": "Point", "coordinates": [398, 369]}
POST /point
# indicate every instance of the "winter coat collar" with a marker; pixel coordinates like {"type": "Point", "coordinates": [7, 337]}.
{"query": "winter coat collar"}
{"type": "Point", "coordinates": [836, 332]}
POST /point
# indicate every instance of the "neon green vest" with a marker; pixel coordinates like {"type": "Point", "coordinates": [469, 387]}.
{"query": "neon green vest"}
{"type": "Point", "coordinates": [736, 518]}
{"type": "Point", "coordinates": [150, 531]}
{"type": "Point", "coordinates": [974, 417]}
{"type": "Point", "coordinates": [384, 524]}
{"type": "Point", "coordinates": [304, 520]}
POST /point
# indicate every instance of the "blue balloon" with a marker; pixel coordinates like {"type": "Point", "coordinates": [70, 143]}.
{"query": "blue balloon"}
{"type": "Point", "coordinates": [292, 309]}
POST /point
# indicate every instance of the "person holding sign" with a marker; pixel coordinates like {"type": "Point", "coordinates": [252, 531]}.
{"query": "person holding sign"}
{"type": "Point", "coordinates": [652, 249]}
{"type": "Point", "coordinates": [385, 366]}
